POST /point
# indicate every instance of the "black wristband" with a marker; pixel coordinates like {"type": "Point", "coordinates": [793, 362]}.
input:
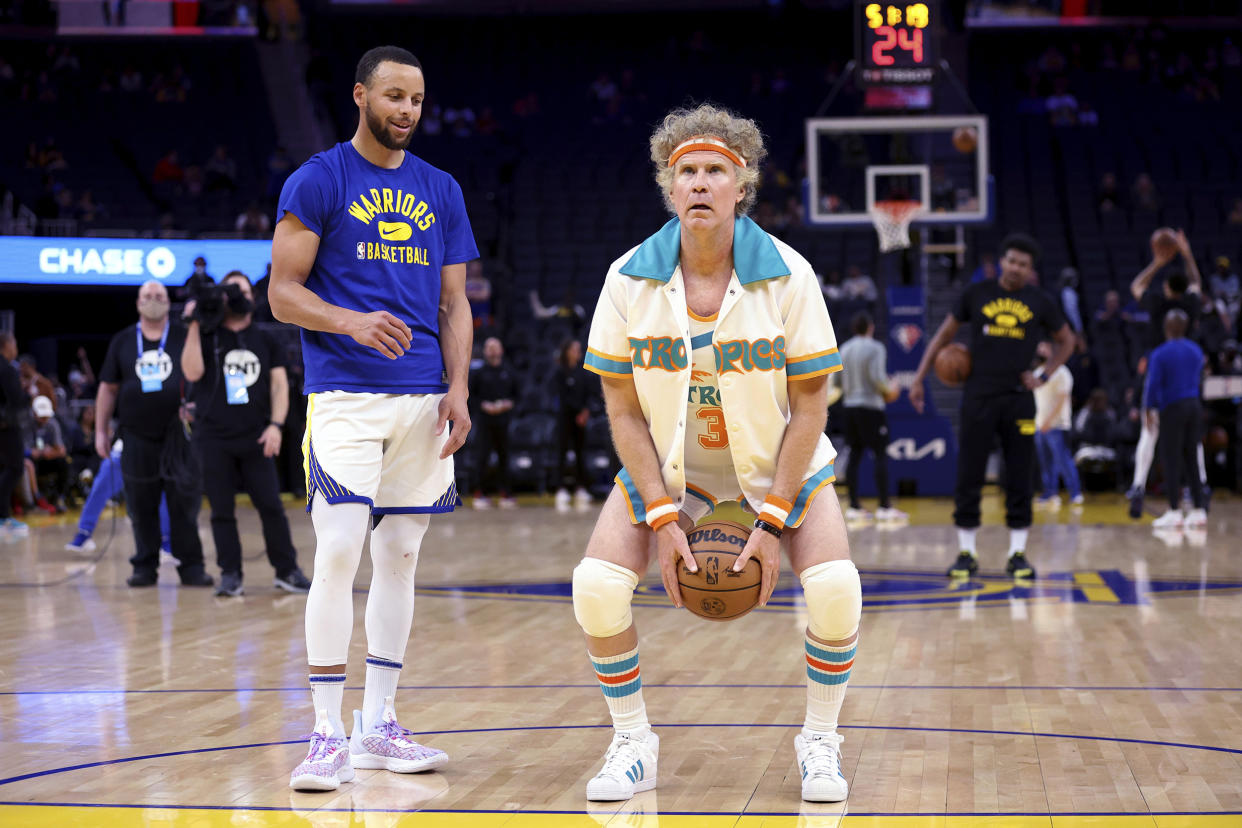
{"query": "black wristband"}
{"type": "Point", "coordinates": [770, 528]}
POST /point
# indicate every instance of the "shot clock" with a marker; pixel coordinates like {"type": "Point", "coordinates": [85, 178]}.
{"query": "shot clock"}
{"type": "Point", "coordinates": [896, 42]}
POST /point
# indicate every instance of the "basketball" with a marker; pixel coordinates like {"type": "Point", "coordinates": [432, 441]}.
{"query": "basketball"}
{"type": "Point", "coordinates": [1164, 242]}
{"type": "Point", "coordinates": [953, 364]}
{"type": "Point", "coordinates": [716, 592]}
{"type": "Point", "coordinates": [1217, 439]}
{"type": "Point", "coordinates": [965, 139]}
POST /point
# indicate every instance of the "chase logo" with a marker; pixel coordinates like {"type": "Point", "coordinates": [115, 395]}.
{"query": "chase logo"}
{"type": "Point", "coordinates": [394, 231]}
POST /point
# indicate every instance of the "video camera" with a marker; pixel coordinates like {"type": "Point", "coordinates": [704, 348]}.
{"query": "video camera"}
{"type": "Point", "coordinates": [213, 302]}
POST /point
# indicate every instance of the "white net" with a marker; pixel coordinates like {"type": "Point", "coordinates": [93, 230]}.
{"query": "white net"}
{"type": "Point", "coordinates": [892, 223]}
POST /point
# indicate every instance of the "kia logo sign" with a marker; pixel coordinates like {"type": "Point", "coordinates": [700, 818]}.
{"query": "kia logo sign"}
{"type": "Point", "coordinates": [907, 449]}
{"type": "Point", "coordinates": [70, 261]}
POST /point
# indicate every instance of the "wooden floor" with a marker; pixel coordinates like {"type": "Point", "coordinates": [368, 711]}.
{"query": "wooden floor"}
{"type": "Point", "coordinates": [1109, 693]}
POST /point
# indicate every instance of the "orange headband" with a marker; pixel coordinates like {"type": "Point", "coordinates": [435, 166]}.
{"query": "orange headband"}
{"type": "Point", "coordinates": [705, 143]}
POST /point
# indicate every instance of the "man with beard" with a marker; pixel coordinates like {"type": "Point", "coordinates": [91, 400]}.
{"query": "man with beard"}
{"type": "Point", "coordinates": [141, 381]}
{"type": "Point", "coordinates": [369, 259]}
{"type": "Point", "coordinates": [241, 397]}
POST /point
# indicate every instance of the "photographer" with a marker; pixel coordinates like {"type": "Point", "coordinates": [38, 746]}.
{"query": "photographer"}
{"type": "Point", "coordinates": [141, 381]}
{"type": "Point", "coordinates": [241, 399]}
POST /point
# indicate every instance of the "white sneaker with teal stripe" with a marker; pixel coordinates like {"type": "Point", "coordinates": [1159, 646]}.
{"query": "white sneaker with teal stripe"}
{"type": "Point", "coordinates": [819, 762]}
{"type": "Point", "coordinates": [629, 767]}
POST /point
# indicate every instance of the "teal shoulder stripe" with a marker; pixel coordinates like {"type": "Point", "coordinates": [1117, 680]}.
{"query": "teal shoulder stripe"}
{"type": "Point", "coordinates": [811, 366]}
{"type": "Point", "coordinates": [701, 341]}
{"type": "Point", "coordinates": [612, 366]}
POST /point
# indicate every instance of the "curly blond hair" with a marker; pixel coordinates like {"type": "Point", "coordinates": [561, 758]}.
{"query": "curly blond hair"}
{"type": "Point", "coordinates": [741, 134]}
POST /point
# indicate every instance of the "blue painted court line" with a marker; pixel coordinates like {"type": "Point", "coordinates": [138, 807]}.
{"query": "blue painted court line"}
{"type": "Point", "coordinates": [595, 685]}
{"type": "Point", "coordinates": [1119, 740]}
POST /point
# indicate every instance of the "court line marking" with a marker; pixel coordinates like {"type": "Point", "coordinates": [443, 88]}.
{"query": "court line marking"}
{"type": "Point", "coordinates": [594, 685]}
{"type": "Point", "coordinates": [1033, 734]}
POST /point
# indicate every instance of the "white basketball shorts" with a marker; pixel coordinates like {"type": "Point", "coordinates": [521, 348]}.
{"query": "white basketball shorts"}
{"type": "Point", "coordinates": [377, 449]}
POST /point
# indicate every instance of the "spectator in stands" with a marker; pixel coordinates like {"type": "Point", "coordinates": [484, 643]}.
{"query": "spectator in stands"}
{"type": "Point", "coordinates": [13, 402]}
{"type": "Point", "coordinates": [1226, 288]}
{"type": "Point", "coordinates": [575, 387]}
{"type": "Point", "coordinates": [34, 383]}
{"type": "Point", "coordinates": [46, 447]}
{"type": "Point", "coordinates": [567, 308]}
{"type": "Point", "coordinates": [1143, 194]}
{"type": "Point", "coordinates": [1214, 326]}
{"type": "Point", "coordinates": [81, 444]}
{"type": "Point", "coordinates": [1062, 105]}
{"type": "Point", "coordinates": [859, 285]}
{"type": "Point", "coordinates": [86, 210]}
{"type": "Point", "coordinates": [1095, 431]}
{"type": "Point", "coordinates": [1069, 300]}
{"type": "Point", "coordinates": [1109, 196]}
{"type": "Point", "coordinates": [130, 79]}
{"type": "Point", "coordinates": [986, 268]}
{"type": "Point", "coordinates": [220, 170]}
{"type": "Point", "coordinates": [832, 288]}
{"type": "Point", "coordinates": [253, 223]}
{"type": "Point", "coordinates": [173, 88]}
{"type": "Point", "coordinates": [495, 387]}
{"type": "Point", "coordinates": [1109, 320]}
{"type": "Point", "coordinates": [198, 279]}
{"type": "Point", "coordinates": [1228, 361]}
{"type": "Point", "coordinates": [168, 170]}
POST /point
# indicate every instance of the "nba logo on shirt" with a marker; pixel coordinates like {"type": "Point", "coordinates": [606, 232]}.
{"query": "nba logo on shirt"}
{"type": "Point", "coordinates": [362, 250]}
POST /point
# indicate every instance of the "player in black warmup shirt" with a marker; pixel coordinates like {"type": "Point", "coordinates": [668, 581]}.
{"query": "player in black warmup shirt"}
{"type": "Point", "coordinates": [1008, 317]}
{"type": "Point", "coordinates": [241, 398]}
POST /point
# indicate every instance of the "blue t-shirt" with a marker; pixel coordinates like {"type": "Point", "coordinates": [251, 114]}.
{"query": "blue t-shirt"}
{"type": "Point", "coordinates": [383, 237]}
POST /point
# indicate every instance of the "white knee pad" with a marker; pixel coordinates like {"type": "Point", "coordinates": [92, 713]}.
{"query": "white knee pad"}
{"type": "Point", "coordinates": [602, 595]}
{"type": "Point", "coordinates": [833, 599]}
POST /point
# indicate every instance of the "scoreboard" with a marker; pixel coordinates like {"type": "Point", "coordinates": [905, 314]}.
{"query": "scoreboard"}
{"type": "Point", "coordinates": [896, 42]}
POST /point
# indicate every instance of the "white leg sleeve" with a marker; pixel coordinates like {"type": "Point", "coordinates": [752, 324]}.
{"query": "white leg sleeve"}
{"type": "Point", "coordinates": [390, 604]}
{"type": "Point", "coordinates": [340, 531]}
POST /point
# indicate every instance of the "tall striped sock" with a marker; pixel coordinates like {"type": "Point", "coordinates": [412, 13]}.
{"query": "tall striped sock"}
{"type": "Point", "coordinates": [327, 693]}
{"type": "Point", "coordinates": [623, 689]}
{"type": "Point", "coordinates": [827, 673]}
{"type": "Point", "coordinates": [382, 676]}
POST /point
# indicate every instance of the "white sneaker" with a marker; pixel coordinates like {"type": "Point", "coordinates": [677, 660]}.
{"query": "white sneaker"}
{"type": "Point", "coordinates": [582, 498]}
{"type": "Point", "coordinates": [388, 746]}
{"type": "Point", "coordinates": [890, 514]}
{"type": "Point", "coordinates": [853, 514]}
{"type": "Point", "coordinates": [629, 767]}
{"type": "Point", "coordinates": [1196, 519]}
{"type": "Point", "coordinates": [819, 762]}
{"type": "Point", "coordinates": [87, 545]}
{"type": "Point", "coordinates": [563, 500]}
{"type": "Point", "coordinates": [326, 764]}
{"type": "Point", "coordinates": [1171, 519]}
{"type": "Point", "coordinates": [481, 503]}
{"type": "Point", "coordinates": [1077, 501]}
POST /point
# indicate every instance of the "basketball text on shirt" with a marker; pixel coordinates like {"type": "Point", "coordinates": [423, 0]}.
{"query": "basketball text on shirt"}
{"type": "Point", "coordinates": [386, 201]}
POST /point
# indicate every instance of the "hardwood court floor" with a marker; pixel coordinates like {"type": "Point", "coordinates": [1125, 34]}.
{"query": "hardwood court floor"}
{"type": "Point", "coordinates": [1109, 693]}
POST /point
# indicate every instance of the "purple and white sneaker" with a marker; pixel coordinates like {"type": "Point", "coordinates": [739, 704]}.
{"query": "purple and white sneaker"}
{"type": "Point", "coordinates": [388, 746]}
{"type": "Point", "coordinates": [326, 764]}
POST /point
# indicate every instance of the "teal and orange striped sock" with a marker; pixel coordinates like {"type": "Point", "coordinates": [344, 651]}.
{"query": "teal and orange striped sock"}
{"type": "Point", "coordinates": [623, 689]}
{"type": "Point", "coordinates": [827, 673]}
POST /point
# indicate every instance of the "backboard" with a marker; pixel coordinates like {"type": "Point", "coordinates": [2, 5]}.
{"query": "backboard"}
{"type": "Point", "coordinates": [939, 160]}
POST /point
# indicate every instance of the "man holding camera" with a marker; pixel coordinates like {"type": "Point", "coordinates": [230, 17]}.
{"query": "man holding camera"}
{"type": "Point", "coordinates": [241, 401]}
{"type": "Point", "coordinates": [141, 381]}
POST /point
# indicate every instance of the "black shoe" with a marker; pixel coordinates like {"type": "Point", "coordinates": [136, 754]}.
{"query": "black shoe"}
{"type": "Point", "coordinates": [142, 578]}
{"type": "Point", "coordinates": [293, 581]}
{"type": "Point", "coordinates": [197, 578]}
{"type": "Point", "coordinates": [1019, 567]}
{"type": "Point", "coordinates": [230, 585]}
{"type": "Point", "coordinates": [965, 566]}
{"type": "Point", "coordinates": [1136, 503]}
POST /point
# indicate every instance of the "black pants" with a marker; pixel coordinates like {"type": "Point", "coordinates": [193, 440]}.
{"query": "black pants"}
{"type": "Point", "coordinates": [570, 435]}
{"type": "Point", "coordinates": [1180, 426]}
{"type": "Point", "coordinates": [141, 470]}
{"type": "Point", "coordinates": [230, 466]}
{"type": "Point", "coordinates": [12, 466]}
{"type": "Point", "coordinates": [866, 428]}
{"type": "Point", "coordinates": [494, 436]}
{"type": "Point", "coordinates": [57, 470]}
{"type": "Point", "coordinates": [1011, 417]}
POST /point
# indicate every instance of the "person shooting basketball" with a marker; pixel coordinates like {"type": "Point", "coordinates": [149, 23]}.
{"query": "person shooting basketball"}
{"type": "Point", "coordinates": [714, 345]}
{"type": "Point", "coordinates": [1008, 317]}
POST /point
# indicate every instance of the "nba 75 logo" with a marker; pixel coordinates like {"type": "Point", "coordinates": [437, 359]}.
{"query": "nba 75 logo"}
{"type": "Point", "coordinates": [362, 250]}
{"type": "Point", "coordinates": [907, 336]}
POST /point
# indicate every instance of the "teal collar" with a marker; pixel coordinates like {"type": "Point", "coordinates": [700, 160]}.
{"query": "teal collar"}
{"type": "Point", "coordinates": [755, 257]}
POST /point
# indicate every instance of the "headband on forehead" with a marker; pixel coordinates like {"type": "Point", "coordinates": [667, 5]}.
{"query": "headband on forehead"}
{"type": "Point", "coordinates": [705, 143]}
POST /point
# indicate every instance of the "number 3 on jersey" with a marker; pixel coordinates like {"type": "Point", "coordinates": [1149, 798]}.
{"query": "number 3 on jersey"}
{"type": "Point", "coordinates": [716, 436]}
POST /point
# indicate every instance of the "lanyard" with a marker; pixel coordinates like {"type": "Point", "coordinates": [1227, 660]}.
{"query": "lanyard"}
{"type": "Point", "coordinates": [163, 338]}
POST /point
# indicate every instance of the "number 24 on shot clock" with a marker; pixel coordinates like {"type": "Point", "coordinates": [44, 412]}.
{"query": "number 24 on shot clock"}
{"type": "Point", "coordinates": [896, 42]}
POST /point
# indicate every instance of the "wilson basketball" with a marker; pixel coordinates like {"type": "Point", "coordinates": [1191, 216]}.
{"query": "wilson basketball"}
{"type": "Point", "coordinates": [1164, 242]}
{"type": "Point", "coordinates": [716, 592]}
{"type": "Point", "coordinates": [953, 364]}
{"type": "Point", "coordinates": [1217, 439]}
{"type": "Point", "coordinates": [965, 139]}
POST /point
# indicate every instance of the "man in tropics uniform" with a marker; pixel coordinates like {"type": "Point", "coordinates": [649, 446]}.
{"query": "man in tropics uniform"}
{"type": "Point", "coordinates": [369, 259]}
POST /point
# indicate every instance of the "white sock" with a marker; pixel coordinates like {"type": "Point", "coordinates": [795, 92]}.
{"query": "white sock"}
{"type": "Point", "coordinates": [381, 683]}
{"type": "Point", "coordinates": [622, 684]}
{"type": "Point", "coordinates": [966, 541]}
{"type": "Point", "coordinates": [1143, 455]}
{"type": "Point", "coordinates": [1017, 540]}
{"type": "Point", "coordinates": [827, 674]}
{"type": "Point", "coordinates": [327, 692]}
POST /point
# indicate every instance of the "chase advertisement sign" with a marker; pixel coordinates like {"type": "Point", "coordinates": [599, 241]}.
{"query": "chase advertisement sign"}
{"type": "Point", "coordinates": [82, 261]}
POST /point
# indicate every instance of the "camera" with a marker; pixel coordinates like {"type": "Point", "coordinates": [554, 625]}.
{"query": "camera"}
{"type": "Point", "coordinates": [212, 303]}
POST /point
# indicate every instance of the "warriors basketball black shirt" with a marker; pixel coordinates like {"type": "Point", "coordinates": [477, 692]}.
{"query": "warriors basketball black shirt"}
{"type": "Point", "coordinates": [1005, 327]}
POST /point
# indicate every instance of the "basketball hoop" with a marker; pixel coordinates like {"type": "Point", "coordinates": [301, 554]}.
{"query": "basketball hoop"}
{"type": "Point", "coordinates": [892, 222]}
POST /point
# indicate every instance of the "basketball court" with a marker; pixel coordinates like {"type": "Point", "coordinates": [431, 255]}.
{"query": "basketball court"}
{"type": "Point", "coordinates": [1108, 693]}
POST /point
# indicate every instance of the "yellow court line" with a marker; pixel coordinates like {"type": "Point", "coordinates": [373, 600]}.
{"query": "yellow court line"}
{"type": "Point", "coordinates": [47, 816]}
